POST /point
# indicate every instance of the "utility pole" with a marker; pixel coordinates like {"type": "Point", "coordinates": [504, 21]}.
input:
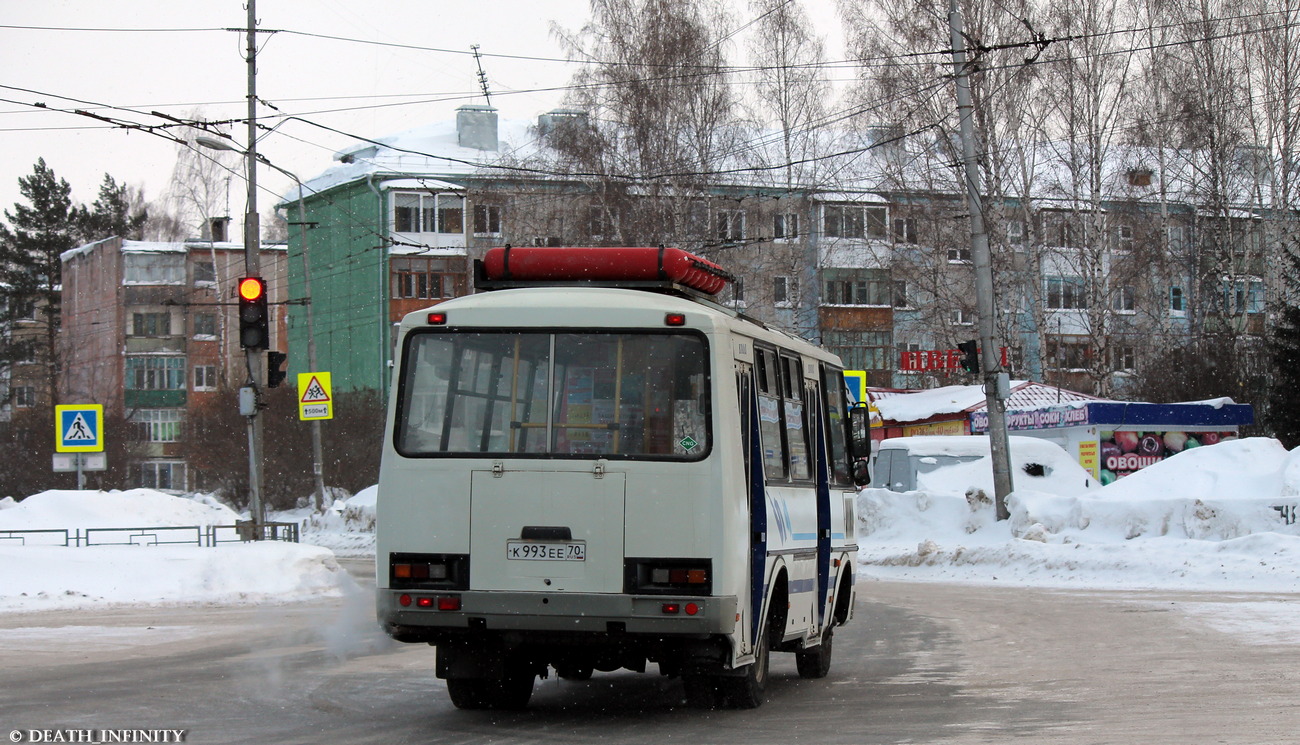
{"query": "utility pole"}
{"type": "Point", "coordinates": [252, 268]}
{"type": "Point", "coordinates": [996, 382]}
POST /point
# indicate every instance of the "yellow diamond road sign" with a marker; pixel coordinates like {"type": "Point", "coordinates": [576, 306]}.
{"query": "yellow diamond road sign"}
{"type": "Point", "coordinates": [79, 428]}
{"type": "Point", "coordinates": [315, 399]}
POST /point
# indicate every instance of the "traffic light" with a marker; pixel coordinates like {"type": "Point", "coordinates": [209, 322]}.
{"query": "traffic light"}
{"type": "Point", "coordinates": [274, 375]}
{"type": "Point", "coordinates": [970, 361]}
{"type": "Point", "coordinates": [254, 332]}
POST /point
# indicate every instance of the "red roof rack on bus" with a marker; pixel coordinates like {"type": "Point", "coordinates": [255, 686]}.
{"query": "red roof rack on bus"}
{"type": "Point", "coordinates": [648, 268]}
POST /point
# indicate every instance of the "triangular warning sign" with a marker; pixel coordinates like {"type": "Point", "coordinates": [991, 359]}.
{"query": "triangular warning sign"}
{"type": "Point", "coordinates": [79, 430]}
{"type": "Point", "coordinates": [314, 393]}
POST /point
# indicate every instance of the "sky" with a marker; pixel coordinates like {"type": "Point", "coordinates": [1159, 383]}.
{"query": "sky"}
{"type": "Point", "coordinates": [178, 61]}
{"type": "Point", "coordinates": [367, 89]}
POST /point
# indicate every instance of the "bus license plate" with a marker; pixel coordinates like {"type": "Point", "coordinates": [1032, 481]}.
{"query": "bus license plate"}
{"type": "Point", "coordinates": [532, 551]}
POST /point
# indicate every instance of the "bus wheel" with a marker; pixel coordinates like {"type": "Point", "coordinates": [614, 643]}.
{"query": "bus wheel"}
{"type": "Point", "coordinates": [747, 691]}
{"type": "Point", "coordinates": [816, 662]}
{"type": "Point", "coordinates": [510, 692]}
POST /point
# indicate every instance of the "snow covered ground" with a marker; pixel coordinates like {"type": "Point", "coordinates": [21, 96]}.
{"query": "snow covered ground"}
{"type": "Point", "coordinates": [1203, 520]}
{"type": "Point", "coordinates": [37, 576]}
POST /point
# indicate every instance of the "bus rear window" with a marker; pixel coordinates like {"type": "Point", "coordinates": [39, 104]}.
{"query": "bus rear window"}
{"type": "Point", "coordinates": [631, 395]}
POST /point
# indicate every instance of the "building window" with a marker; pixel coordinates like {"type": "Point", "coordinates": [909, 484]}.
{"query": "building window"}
{"type": "Point", "coordinates": [784, 290]}
{"type": "Point", "coordinates": [1123, 237]}
{"type": "Point", "coordinates": [1016, 232]}
{"type": "Point", "coordinates": [864, 287]}
{"type": "Point", "coordinates": [487, 219]}
{"type": "Point", "coordinates": [731, 225]}
{"type": "Point", "coordinates": [1177, 236]}
{"type": "Point", "coordinates": [1123, 299]}
{"type": "Point", "coordinates": [1066, 293]}
{"type": "Point", "coordinates": [785, 226]}
{"type": "Point", "coordinates": [151, 324]}
{"type": "Point", "coordinates": [24, 396]}
{"type": "Point", "coordinates": [164, 475]}
{"type": "Point", "coordinates": [961, 317]}
{"type": "Point", "coordinates": [1068, 353]}
{"type": "Point", "coordinates": [155, 373]}
{"type": "Point", "coordinates": [596, 224]}
{"type": "Point", "coordinates": [853, 221]}
{"type": "Point", "coordinates": [1177, 306]}
{"type": "Point", "coordinates": [1061, 229]}
{"type": "Point", "coordinates": [205, 324]}
{"type": "Point", "coordinates": [204, 272]}
{"type": "Point", "coordinates": [158, 425]}
{"type": "Point", "coordinates": [428, 213]}
{"type": "Point", "coordinates": [153, 269]}
{"type": "Point", "coordinates": [451, 213]}
{"type": "Point", "coordinates": [423, 279]}
{"type": "Point", "coordinates": [905, 230]}
{"type": "Point", "coordinates": [1140, 176]}
{"type": "Point", "coordinates": [1123, 358]}
{"type": "Point", "coordinates": [1241, 296]}
{"type": "Point", "coordinates": [862, 350]}
{"type": "Point", "coordinates": [959, 254]}
{"type": "Point", "coordinates": [205, 377]}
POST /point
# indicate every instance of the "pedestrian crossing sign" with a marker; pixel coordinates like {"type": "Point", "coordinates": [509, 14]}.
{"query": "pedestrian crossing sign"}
{"type": "Point", "coordinates": [79, 428]}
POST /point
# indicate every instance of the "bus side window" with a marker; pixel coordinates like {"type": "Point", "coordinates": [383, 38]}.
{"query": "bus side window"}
{"type": "Point", "coordinates": [770, 426]}
{"type": "Point", "coordinates": [796, 429]}
{"type": "Point", "coordinates": [836, 397]}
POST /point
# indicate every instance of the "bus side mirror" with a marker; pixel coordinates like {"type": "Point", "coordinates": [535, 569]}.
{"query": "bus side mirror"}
{"type": "Point", "coordinates": [860, 436]}
{"type": "Point", "coordinates": [860, 432]}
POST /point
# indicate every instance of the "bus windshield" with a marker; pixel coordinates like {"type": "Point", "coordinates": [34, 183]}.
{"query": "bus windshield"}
{"type": "Point", "coordinates": [613, 395]}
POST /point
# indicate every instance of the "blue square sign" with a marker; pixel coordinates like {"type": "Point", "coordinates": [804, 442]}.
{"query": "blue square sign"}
{"type": "Point", "coordinates": [79, 428]}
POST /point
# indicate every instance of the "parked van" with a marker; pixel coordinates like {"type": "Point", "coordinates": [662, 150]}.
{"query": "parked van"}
{"type": "Point", "coordinates": [958, 462]}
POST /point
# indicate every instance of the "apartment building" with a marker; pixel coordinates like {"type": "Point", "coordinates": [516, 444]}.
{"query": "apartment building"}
{"type": "Point", "coordinates": [150, 331]}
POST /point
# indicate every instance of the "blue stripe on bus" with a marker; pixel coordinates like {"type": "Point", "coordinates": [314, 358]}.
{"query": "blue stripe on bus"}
{"type": "Point", "coordinates": [803, 585]}
{"type": "Point", "coordinates": [804, 536]}
{"type": "Point", "coordinates": [837, 536]}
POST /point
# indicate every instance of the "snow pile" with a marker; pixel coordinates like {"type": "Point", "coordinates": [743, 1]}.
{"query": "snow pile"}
{"type": "Point", "coordinates": [347, 527]}
{"type": "Point", "coordinates": [1203, 519]}
{"type": "Point", "coordinates": [40, 577]}
{"type": "Point", "coordinates": [134, 508]}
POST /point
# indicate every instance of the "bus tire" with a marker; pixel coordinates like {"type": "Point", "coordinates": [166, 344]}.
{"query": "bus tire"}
{"type": "Point", "coordinates": [509, 692]}
{"type": "Point", "coordinates": [748, 690]}
{"type": "Point", "coordinates": [816, 662]}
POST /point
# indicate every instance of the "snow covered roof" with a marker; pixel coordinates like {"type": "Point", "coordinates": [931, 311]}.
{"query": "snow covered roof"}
{"type": "Point", "coordinates": [431, 150]}
{"type": "Point", "coordinates": [915, 406]}
{"type": "Point", "coordinates": [159, 247]}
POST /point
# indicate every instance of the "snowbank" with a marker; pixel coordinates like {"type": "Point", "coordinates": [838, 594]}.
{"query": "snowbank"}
{"type": "Point", "coordinates": [52, 577]}
{"type": "Point", "coordinates": [74, 509]}
{"type": "Point", "coordinates": [1203, 519]}
{"type": "Point", "coordinates": [39, 577]}
{"type": "Point", "coordinates": [347, 527]}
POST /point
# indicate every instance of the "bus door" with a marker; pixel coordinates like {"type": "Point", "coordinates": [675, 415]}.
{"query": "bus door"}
{"type": "Point", "coordinates": [814, 413]}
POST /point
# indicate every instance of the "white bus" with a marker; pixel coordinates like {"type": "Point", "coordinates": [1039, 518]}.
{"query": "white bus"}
{"type": "Point", "coordinates": [595, 474]}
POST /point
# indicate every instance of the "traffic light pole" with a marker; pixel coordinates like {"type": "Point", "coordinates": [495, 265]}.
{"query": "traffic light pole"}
{"type": "Point", "coordinates": [994, 378]}
{"type": "Point", "coordinates": [252, 268]}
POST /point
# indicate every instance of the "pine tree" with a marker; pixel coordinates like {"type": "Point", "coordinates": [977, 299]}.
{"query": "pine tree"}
{"type": "Point", "coordinates": [112, 214]}
{"type": "Point", "coordinates": [31, 270]}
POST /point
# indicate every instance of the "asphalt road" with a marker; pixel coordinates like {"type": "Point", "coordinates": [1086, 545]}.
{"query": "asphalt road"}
{"type": "Point", "coordinates": [922, 663]}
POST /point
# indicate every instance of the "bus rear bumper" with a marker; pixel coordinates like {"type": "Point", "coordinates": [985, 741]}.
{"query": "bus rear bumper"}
{"type": "Point", "coordinates": [571, 612]}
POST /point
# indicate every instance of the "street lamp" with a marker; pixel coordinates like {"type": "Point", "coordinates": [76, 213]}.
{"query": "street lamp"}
{"type": "Point", "coordinates": [317, 454]}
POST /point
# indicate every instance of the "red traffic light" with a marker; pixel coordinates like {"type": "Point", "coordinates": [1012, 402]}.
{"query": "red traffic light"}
{"type": "Point", "coordinates": [252, 288]}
